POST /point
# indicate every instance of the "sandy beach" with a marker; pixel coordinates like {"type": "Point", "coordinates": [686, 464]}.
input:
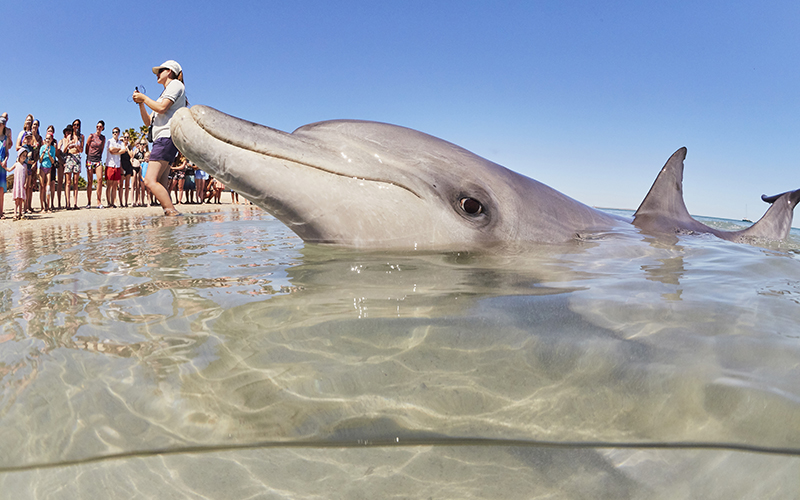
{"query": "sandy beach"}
{"type": "Point", "coordinates": [75, 216]}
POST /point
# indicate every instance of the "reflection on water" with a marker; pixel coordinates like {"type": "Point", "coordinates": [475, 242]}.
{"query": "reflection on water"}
{"type": "Point", "coordinates": [151, 357]}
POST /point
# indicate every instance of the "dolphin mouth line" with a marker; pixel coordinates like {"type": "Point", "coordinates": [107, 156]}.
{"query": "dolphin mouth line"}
{"type": "Point", "coordinates": [299, 162]}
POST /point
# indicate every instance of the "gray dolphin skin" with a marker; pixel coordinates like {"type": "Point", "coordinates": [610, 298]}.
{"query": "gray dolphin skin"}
{"type": "Point", "coordinates": [373, 185]}
{"type": "Point", "coordinates": [663, 210]}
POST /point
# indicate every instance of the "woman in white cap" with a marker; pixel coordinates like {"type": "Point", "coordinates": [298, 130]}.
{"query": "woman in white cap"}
{"type": "Point", "coordinates": [170, 75]}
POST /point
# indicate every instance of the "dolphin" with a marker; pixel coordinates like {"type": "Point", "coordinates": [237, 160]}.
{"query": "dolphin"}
{"type": "Point", "coordinates": [664, 211]}
{"type": "Point", "coordinates": [371, 185]}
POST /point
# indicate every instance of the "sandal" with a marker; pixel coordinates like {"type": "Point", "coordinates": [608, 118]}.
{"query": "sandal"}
{"type": "Point", "coordinates": [171, 212]}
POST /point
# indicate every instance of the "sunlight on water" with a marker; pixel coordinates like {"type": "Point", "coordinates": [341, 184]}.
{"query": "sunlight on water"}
{"type": "Point", "coordinates": [216, 355]}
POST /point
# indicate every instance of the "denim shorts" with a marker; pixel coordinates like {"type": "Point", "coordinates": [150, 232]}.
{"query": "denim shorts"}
{"type": "Point", "coordinates": [164, 150]}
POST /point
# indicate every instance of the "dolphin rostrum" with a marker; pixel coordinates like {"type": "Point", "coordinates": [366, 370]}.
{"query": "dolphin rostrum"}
{"type": "Point", "coordinates": [378, 186]}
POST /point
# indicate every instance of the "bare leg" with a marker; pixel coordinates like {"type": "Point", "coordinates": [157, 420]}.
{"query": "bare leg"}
{"type": "Point", "coordinates": [52, 187]}
{"type": "Point", "coordinates": [127, 187]}
{"type": "Point", "coordinates": [66, 189]}
{"type": "Point", "coordinates": [179, 192]}
{"type": "Point", "coordinates": [155, 180]}
{"type": "Point", "coordinates": [89, 186]}
{"type": "Point", "coordinates": [44, 183]}
{"type": "Point", "coordinates": [29, 191]}
{"type": "Point", "coordinates": [75, 178]}
{"type": "Point", "coordinates": [200, 186]}
{"type": "Point", "coordinates": [111, 193]}
{"type": "Point", "coordinates": [99, 173]}
{"type": "Point", "coordinates": [60, 185]}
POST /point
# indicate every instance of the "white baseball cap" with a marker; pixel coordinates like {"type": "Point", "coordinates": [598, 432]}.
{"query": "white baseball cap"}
{"type": "Point", "coordinates": [170, 65]}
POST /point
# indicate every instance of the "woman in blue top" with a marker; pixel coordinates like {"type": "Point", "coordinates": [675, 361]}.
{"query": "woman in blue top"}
{"type": "Point", "coordinates": [47, 159]}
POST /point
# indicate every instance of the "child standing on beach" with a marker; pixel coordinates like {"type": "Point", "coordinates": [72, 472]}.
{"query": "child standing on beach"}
{"type": "Point", "coordinates": [20, 170]}
{"type": "Point", "coordinates": [138, 173]}
{"type": "Point", "coordinates": [47, 158]}
{"type": "Point", "coordinates": [146, 193]}
{"type": "Point", "coordinates": [30, 169]}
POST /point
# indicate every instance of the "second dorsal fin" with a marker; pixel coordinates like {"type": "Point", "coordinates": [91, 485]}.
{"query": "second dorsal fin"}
{"type": "Point", "coordinates": [663, 209]}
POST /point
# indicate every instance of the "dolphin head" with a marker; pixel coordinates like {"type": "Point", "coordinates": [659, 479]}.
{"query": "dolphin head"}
{"type": "Point", "coordinates": [374, 185]}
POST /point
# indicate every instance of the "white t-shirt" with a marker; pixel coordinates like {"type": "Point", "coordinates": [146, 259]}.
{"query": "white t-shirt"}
{"type": "Point", "coordinates": [113, 160]}
{"type": "Point", "coordinates": [176, 92]}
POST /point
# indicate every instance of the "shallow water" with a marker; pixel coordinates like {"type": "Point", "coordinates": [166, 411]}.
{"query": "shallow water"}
{"type": "Point", "coordinates": [215, 355]}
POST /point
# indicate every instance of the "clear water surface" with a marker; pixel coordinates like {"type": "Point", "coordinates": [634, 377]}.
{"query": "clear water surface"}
{"type": "Point", "coordinates": [216, 356]}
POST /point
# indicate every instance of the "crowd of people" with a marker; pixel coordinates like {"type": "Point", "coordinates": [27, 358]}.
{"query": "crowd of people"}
{"type": "Point", "coordinates": [115, 167]}
{"type": "Point", "coordinates": [118, 165]}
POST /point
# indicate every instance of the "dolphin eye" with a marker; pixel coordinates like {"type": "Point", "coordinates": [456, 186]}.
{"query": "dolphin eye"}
{"type": "Point", "coordinates": [471, 206]}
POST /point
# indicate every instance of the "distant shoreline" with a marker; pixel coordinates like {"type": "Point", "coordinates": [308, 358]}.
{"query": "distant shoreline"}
{"type": "Point", "coordinates": [696, 216]}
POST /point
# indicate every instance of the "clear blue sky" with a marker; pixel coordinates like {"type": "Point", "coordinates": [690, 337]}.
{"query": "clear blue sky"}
{"type": "Point", "coordinates": [590, 98]}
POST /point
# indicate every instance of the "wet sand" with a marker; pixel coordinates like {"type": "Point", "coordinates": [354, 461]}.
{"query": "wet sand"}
{"type": "Point", "coordinates": [38, 218]}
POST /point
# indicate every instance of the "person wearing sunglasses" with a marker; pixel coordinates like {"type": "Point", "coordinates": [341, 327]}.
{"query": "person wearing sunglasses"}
{"type": "Point", "coordinates": [95, 145]}
{"type": "Point", "coordinates": [164, 152]}
{"type": "Point", "coordinates": [73, 146]}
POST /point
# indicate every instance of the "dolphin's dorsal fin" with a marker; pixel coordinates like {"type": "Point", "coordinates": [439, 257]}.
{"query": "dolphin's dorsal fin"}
{"type": "Point", "coordinates": [666, 194]}
{"type": "Point", "coordinates": [663, 209]}
{"type": "Point", "coordinates": [777, 222]}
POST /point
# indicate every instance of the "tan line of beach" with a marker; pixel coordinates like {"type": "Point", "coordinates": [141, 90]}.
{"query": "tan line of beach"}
{"type": "Point", "coordinates": [85, 214]}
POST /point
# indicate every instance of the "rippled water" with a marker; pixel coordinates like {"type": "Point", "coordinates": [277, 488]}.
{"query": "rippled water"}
{"type": "Point", "coordinates": [216, 356]}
